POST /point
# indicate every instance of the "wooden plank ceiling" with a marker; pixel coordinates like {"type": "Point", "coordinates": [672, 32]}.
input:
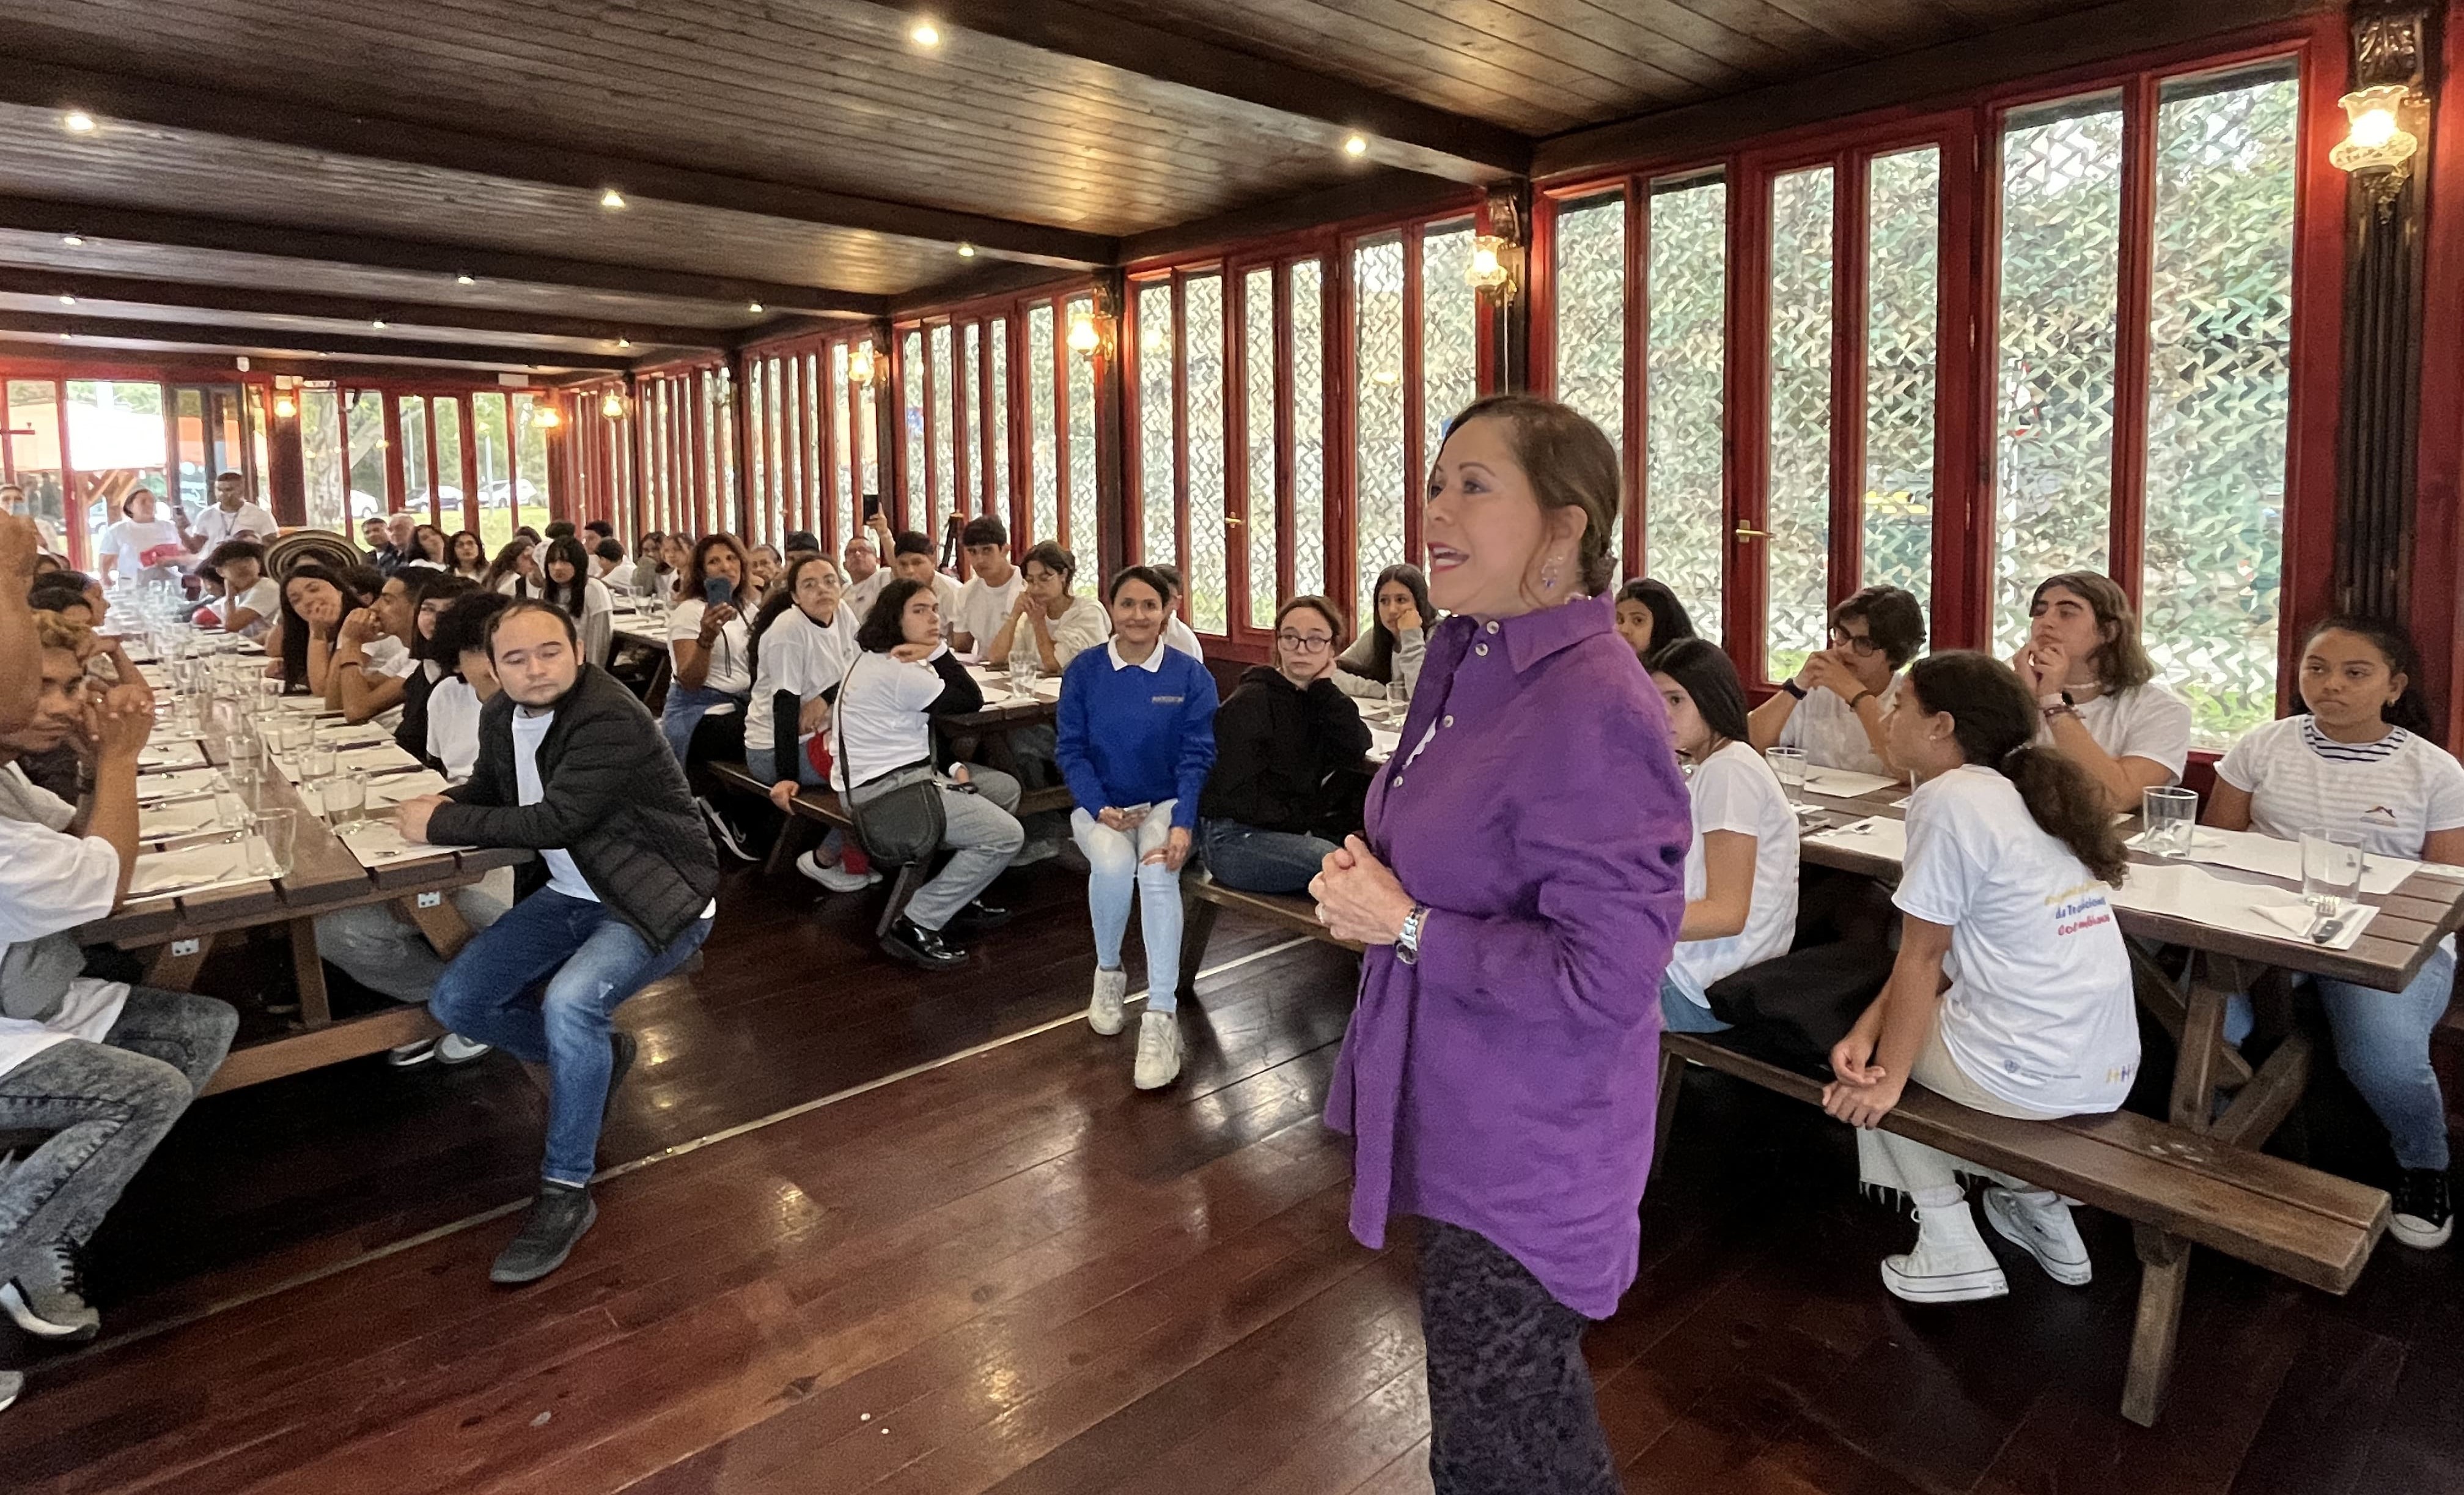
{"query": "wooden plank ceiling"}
{"type": "Point", "coordinates": [297, 170]}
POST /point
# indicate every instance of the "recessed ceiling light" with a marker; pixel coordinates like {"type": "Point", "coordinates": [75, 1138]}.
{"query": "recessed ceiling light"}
{"type": "Point", "coordinates": [752, 306]}
{"type": "Point", "coordinates": [73, 241]}
{"type": "Point", "coordinates": [623, 342]}
{"type": "Point", "coordinates": [78, 121]}
{"type": "Point", "coordinates": [611, 198]}
{"type": "Point", "coordinates": [464, 279]}
{"type": "Point", "coordinates": [924, 33]}
{"type": "Point", "coordinates": [68, 337]}
{"type": "Point", "coordinates": [1357, 145]}
{"type": "Point", "coordinates": [966, 252]}
{"type": "Point", "coordinates": [378, 325]}
{"type": "Point", "coordinates": [68, 301]}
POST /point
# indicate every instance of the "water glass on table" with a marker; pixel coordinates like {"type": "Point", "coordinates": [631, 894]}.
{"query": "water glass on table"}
{"type": "Point", "coordinates": [2171, 816]}
{"type": "Point", "coordinates": [343, 797]}
{"type": "Point", "coordinates": [270, 849]}
{"type": "Point", "coordinates": [316, 762]}
{"type": "Point", "coordinates": [1788, 765]}
{"type": "Point", "coordinates": [2331, 870]}
{"type": "Point", "coordinates": [1022, 672]}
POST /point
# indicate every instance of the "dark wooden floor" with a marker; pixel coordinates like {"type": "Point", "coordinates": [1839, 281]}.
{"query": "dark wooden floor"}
{"type": "Point", "coordinates": [1013, 1273]}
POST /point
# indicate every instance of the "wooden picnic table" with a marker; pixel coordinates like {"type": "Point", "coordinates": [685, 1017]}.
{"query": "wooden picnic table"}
{"type": "Point", "coordinates": [182, 930]}
{"type": "Point", "coordinates": [2412, 921]}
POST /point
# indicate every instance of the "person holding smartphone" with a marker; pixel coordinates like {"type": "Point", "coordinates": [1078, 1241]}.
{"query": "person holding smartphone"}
{"type": "Point", "coordinates": [1136, 741]}
{"type": "Point", "coordinates": [710, 639]}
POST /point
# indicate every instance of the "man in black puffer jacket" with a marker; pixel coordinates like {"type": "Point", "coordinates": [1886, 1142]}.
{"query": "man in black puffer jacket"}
{"type": "Point", "coordinates": [1263, 824]}
{"type": "Point", "coordinates": [571, 766]}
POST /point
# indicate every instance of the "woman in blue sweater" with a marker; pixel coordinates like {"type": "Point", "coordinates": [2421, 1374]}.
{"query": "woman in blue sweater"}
{"type": "Point", "coordinates": [1136, 740]}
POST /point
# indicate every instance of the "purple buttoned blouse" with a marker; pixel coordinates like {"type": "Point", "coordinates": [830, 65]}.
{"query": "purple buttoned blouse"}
{"type": "Point", "coordinates": [1508, 1083]}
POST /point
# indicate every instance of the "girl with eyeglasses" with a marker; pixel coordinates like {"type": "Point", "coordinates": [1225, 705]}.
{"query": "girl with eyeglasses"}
{"type": "Point", "coordinates": [1266, 822]}
{"type": "Point", "coordinates": [1835, 706]}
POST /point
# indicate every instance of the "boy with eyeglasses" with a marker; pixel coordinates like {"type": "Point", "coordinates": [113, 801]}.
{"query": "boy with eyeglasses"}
{"type": "Point", "coordinates": [1834, 707]}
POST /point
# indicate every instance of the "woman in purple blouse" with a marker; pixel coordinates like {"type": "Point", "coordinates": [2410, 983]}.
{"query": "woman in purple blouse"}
{"type": "Point", "coordinates": [1519, 890]}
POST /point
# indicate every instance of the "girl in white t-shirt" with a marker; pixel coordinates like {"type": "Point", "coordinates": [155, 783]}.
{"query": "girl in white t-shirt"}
{"type": "Point", "coordinates": [1741, 870]}
{"type": "Point", "coordinates": [2096, 688]}
{"type": "Point", "coordinates": [2011, 853]}
{"type": "Point", "coordinates": [710, 639]}
{"type": "Point", "coordinates": [1834, 707]}
{"type": "Point", "coordinates": [802, 642]}
{"type": "Point", "coordinates": [2362, 760]}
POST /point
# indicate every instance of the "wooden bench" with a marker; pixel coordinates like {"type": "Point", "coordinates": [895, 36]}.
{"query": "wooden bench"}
{"type": "Point", "coordinates": [1203, 899]}
{"type": "Point", "coordinates": [2177, 1188]}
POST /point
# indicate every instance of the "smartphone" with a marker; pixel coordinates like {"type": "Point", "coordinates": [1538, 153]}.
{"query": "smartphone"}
{"type": "Point", "coordinates": [872, 508]}
{"type": "Point", "coordinates": [1135, 815]}
{"type": "Point", "coordinates": [716, 590]}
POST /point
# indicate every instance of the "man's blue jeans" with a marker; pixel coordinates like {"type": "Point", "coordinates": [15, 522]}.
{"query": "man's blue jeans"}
{"type": "Point", "coordinates": [591, 961]}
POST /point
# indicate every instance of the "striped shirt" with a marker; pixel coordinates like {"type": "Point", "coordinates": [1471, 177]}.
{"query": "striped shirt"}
{"type": "Point", "coordinates": [2395, 792]}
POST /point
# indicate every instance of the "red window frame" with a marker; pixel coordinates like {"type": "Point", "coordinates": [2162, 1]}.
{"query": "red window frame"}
{"type": "Point", "coordinates": [1971, 130]}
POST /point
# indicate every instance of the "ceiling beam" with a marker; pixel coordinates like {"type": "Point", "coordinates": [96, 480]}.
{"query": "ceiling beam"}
{"type": "Point", "coordinates": [72, 328]}
{"type": "Point", "coordinates": [191, 296]}
{"type": "Point", "coordinates": [1401, 132]}
{"type": "Point", "coordinates": [61, 85]}
{"type": "Point", "coordinates": [185, 231]}
{"type": "Point", "coordinates": [2009, 55]}
{"type": "Point", "coordinates": [1387, 194]}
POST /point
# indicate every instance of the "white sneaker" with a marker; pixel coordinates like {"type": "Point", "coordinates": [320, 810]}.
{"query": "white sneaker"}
{"type": "Point", "coordinates": [729, 836]}
{"type": "Point", "coordinates": [835, 877]}
{"type": "Point", "coordinates": [1159, 1051]}
{"type": "Point", "coordinates": [2039, 1223]}
{"type": "Point", "coordinates": [455, 1049]}
{"type": "Point", "coordinates": [1950, 1262]}
{"type": "Point", "coordinates": [1104, 1013]}
{"type": "Point", "coordinates": [12, 1382]}
{"type": "Point", "coordinates": [404, 1055]}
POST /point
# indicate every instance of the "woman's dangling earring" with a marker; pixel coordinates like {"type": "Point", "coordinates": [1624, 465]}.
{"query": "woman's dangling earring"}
{"type": "Point", "coordinates": [1548, 574]}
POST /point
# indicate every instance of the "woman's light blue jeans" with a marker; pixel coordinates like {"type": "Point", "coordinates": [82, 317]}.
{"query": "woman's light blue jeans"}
{"type": "Point", "coordinates": [685, 707]}
{"type": "Point", "coordinates": [1679, 1010]}
{"type": "Point", "coordinates": [1115, 870]}
{"type": "Point", "coordinates": [2383, 1046]}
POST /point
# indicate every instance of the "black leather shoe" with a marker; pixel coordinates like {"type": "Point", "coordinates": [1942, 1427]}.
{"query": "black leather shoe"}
{"type": "Point", "coordinates": [558, 1219]}
{"type": "Point", "coordinates": [921, 947]}
{"type": "Point", "coordinates": [979, 917]}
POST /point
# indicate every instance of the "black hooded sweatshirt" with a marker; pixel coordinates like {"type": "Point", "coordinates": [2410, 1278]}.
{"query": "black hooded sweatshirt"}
{"type": "Point", "coordinates": [1274, 746]}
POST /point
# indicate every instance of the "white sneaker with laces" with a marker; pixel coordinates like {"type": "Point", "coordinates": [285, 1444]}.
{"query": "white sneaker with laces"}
{"type": "Point", "coordinates": [837, 879]}
{"type": "Point", "coordinates": [1950, 1262]}
{"type": "Point", "coordinates": [2039, 1223]}
{"type": "Point", "coordinates": [455, 1049]}
{"type": "Point", "coordinates": [1104, 1013]}
{"type": "Point", "coordinates": [1159, 1051]}
{"type": "Point", "coordinates": [729, 837]}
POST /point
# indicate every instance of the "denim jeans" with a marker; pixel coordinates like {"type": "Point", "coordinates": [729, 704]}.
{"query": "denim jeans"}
{"type": "Point", "coordinates": [1680, 1011]}
{"type": "Point", "coordinates": [1252, 860]}
{"type": "Point", "coordinates": [2383, 1044]}
{"type": "Point", "coordinates": [106, 1105]}
{"type": "Point", "coordinates": [1115, 870]}
{"type": "Point", "coordinates": [376, 947]}
{"type": "Point", "coordinates": [686, 705]}
{"type": "Point", "coordinates": [591, 962]}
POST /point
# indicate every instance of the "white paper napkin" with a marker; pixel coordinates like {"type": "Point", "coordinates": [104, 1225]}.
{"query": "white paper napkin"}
{"type": "Point", "coordinates": [2184, 891]}
{"type": "Point", "coordinates": [177, 819]}
{"type": "Point", "coordinates": [1876, 836]}
{"type": "Point", "coordinates": [1383, 744]}
{"type": "Point", "coordinates": [194, 869]}
{"type": "Point", "coordinates": [174, 784]}
{"type": "Point", "coordinates": [175, 752]}
{"type": "Point", "coordinates": [377, 842]}
{"type": "Point", "coordinates": [1841, 784]}
{"type": "Point", "coordinates": [383, 758]}
{"type": "Point", "coordinates": [337, 733]}
{"type": "Point", "coordinates": [395, 788]}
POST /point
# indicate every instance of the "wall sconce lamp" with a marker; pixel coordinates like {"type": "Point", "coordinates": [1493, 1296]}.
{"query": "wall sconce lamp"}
{"type": "Point", "coordinates": [546, 417]}
{"type": "Point", "coordinates": [1087, 334]}
{"type": "Point", "coordinates": [285, 407]}
{"type": "Point", "coordinates": [2378, 149]}
{"type": "Point", "coordinates": [867, 366]}
{"type": "Point", "coordinates": [1492, 268]}
{"type": "Point", "coordinates": [611, 405]}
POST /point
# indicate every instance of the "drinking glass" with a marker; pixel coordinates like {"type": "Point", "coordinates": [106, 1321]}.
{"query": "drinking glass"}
{"type": "Point", "coordinates": [344, 796]}
{"type": "Point", "coordinates": [316, 762]}
{"type": "Point", "coordinates": [2170, 816]}
{"type": "Point", "coordinates": [232, 812]}
{"type": "Point", "coordinates": [1397, 696]}
{"type": "Point", "coordinates": [2331, 869]}
{"type": "Point", "coordinates": [1788, 765]}
{"type": "Point", "coordinates": [269, 850]}
{"type": "Point", "coordinates": [1023, 672]}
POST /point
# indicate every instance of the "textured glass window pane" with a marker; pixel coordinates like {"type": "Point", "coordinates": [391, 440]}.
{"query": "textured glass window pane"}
{"type": "Point", "coordinates": [496, 467]}
{"type": "Point", "coordinates": [2061, 237]}
{"type": "Point", "coordinates": [971, 402]}
{"type": "Point", "coordinates": [320, 451]}
{"type": "Point", "coordinates": [1155, 455]}
{"type": "Point", "coordinates": [365, 409]}
{"type": "Point", "coordinates": [1902, 274]}
{"type": "Point", "coordinates": [530, 466]}
{"type": "Point", "coordinates": [1309, 427]}
{"type": "Point", "coordinates": [944, 497]}
{"type": "Point", "coordinates": [996, 497]}
{"type": "Point", "coordinates": [447, 415]}
{"type": "Point", "coordinates": [1082, 536]}
{"type": "Point", "coordinates": [719, 455]}
{"type": "Point", "coordinates": [840, 504]}
{"type": "Point", "coordinates": [1043, 444]}
{"type": "Point", "coordinates": [1684, 452]}
{"type": "Point", "coordinates": [1449, 342]}
{"type": "Point", "coordinates": [761, 383]}
{"type": "Point", "coordinates": [1591, 318]}
{"type": "Point", "coordinates": [1798, 511]}
{"type": "Point", "coordinates": [2219, 397]}
{"type": "Point", "coordinates": [1258, 317]}
{"type": "Point", "coordinates": [911, 366]}
{"type": "Point", "coordinates": [413, 415]}
{"type": "Point", "coordinates": [1378, 482]}
{"type": "Point", "coordinates": [868, 428]}
{"type": "Point", "coordinates": [1202, 333]}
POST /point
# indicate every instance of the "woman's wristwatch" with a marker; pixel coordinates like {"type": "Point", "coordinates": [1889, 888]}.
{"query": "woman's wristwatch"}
{"type": "Point", "coordinates": [1407, 940]}
{"type": "Point", "coordinates": [1793, 688]}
